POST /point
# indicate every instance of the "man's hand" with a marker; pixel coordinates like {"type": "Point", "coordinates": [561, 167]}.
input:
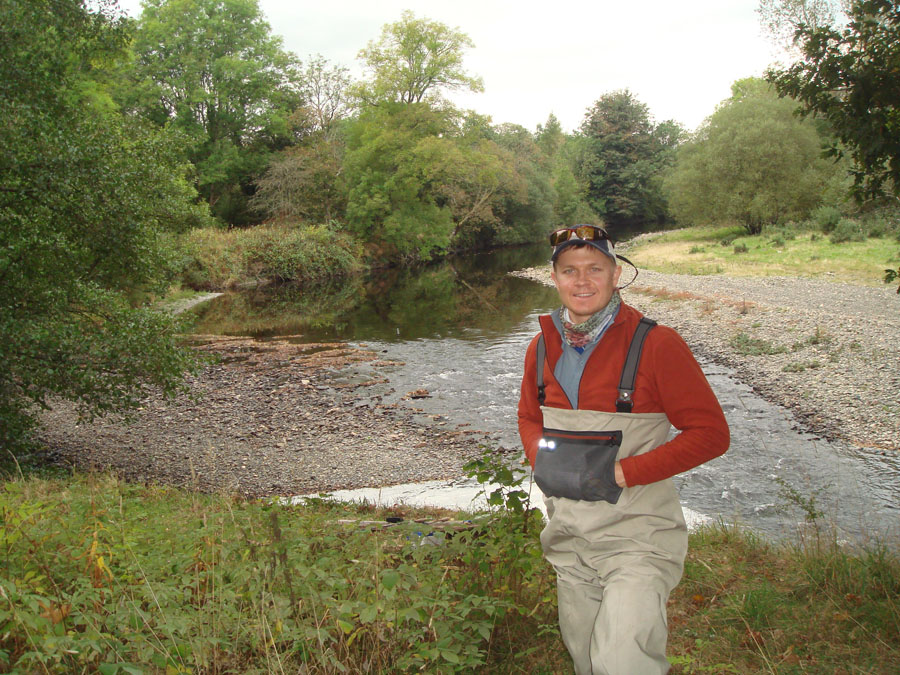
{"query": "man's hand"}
{"type": "Point", "coordinates": [620, 476]}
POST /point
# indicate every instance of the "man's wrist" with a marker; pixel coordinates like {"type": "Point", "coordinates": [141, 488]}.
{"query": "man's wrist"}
{"type": "Point", "coordinates": [620, 476]}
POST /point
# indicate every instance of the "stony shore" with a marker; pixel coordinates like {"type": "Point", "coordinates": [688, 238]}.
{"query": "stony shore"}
{"type": "Point", "coordinates": [269, 418]}
{"type": "Point", "coordinates": [830, 352]}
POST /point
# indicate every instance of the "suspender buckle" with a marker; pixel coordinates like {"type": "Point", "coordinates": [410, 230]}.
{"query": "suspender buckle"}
{"type": "Point", "coordinates": [624, 404]}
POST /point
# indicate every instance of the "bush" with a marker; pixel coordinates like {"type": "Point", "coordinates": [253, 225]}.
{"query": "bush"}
{"type": "Point", "coordinates": [221, 259]}
{"type": "Point", "coordinates": [847, 230]}
{"type": "Point", "coordinates": [827, 218]}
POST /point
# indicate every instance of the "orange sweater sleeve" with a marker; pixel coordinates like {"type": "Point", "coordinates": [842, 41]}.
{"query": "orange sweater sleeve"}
{"type": "Point", "coordinates": [672, 376]}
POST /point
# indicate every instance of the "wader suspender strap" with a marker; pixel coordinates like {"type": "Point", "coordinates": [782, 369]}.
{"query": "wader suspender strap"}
{"type": "Point", "coordinates": [624, 404]}
{"type": "Point", "coordinates": [629, 372]}
{"type": "Point", "coordinates": [541, 352]}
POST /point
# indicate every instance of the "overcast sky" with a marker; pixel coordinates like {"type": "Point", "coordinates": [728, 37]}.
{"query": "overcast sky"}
{"type": "Point", "coordinates": [677, 57]}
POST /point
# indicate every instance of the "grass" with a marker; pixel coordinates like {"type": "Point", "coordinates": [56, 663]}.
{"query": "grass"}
{"type": "Point", "coordinates": [100, 576]}
{"type": "Point", "coordinates": [730, 251]}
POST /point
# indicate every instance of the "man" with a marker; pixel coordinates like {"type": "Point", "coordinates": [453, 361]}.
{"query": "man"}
{"type": "Point", "coordinates": [594, 426]}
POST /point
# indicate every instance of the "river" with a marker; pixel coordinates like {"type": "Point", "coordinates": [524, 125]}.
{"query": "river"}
{"type": "Point", "coordinates": [460, 328]}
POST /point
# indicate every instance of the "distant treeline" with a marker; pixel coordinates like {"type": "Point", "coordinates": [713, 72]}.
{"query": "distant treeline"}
{"type": "Point", "coordinates": [268, 137]}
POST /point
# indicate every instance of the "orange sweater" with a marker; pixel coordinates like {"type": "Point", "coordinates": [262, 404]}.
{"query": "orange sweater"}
{"type": "Point", "coordinates": [669, 380]}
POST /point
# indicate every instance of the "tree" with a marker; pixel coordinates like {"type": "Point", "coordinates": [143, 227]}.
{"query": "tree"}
{"type": "Point", "coordinates": [304, 182]}
{"type": "Point", "coordinates": [621, 156]}
{"type": "Point", "coordinates": [325, 91]}
{"type": "Point", "coordinates": [86, 200]}
{"type": "Point", "coordinates": [392, 197]}
{"type": "Point", "coordinates": [851, 77]}
{"type": "Point", "coordinates": [415, 60]}
{"type": "Point", "coordinates": [780, 19]}
{"type": "Point", "coordinates": [213, 69]}
{"type": "Point", "coordinates": [526, 209]}
{"type": "Point", "coordinates": [753, 162]}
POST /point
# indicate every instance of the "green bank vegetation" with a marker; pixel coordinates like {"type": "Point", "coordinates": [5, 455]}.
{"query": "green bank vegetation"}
{"type": "Point", "coordinates": [100, 576]}
{"type": "Point", "coordinates": [854, 250]}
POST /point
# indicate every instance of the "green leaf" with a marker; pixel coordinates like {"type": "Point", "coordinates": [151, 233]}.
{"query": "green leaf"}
{"type": "Point", "coordinates": [389, 578]}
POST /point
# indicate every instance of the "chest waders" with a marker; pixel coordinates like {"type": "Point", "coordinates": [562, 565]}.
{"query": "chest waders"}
{"type": "Point", "coordinates": [617, 552]}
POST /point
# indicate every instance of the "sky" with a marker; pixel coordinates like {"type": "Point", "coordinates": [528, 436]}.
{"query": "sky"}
{"type": "Point", "coordinates": [536, 58]}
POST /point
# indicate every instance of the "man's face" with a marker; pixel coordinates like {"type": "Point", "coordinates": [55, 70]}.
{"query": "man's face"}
{"type": "Point", "coordinates": [585, 279]}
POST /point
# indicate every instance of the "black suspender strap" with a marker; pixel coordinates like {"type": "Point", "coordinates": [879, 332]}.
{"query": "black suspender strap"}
{"type": "Point", "coordinates": [541, 352]}
{"type": "Point", "coordinates": [624, 404]}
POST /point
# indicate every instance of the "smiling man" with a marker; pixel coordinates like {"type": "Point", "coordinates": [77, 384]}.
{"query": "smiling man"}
{"type": "Point", "coordinates": [601, 388]}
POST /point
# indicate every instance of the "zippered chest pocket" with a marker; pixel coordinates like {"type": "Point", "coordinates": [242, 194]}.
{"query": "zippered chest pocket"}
{"type": "Point", "coordinates": [578, 464]}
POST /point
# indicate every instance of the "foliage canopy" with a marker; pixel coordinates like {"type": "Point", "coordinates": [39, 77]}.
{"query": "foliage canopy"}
{"type": "Point", "coordinates": [754, 163]}
{"type": "Point", "coordinates": [851, 76]}
{"type": "Point", "coordinates": [213, 69]}
{"type": "Point", "coordinates": [414, 60]}
{"type": "Point", "coordinates": [622, 155]}
{"type": "Point", "coordinates": [86, 199]}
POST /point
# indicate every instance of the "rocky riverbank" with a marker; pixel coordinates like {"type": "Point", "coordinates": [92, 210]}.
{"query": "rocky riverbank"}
{"type": "Point", "coordinates": [269, 418]}
{"type": "Point", "coordinates": [830, 352]}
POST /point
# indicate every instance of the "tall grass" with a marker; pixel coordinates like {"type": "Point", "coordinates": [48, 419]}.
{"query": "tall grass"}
{"type": "Point", "coordinates": [217, 259]}
{"type": "Point", "coordinates": [100, 576]}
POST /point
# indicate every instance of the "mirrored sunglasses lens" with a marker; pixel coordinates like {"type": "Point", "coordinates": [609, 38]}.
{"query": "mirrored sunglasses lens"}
{"type": "Point", "coordinates": [558, 237]}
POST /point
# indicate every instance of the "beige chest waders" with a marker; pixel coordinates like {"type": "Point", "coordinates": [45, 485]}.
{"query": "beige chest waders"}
{"type": "Point", "coordinates": [617, 552]}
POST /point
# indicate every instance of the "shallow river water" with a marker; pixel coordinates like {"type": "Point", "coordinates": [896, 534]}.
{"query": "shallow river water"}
{"type": "Point", "coordinates": [460, 331]}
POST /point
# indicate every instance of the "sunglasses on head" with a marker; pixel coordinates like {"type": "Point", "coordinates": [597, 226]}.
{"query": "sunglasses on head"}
{"type": "Point", "coordinates": [585, 232]}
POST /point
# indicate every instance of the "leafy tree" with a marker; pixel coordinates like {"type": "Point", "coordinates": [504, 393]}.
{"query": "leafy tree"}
{"type": "Point", "coordinates": [526, 211]}
{"type": "Point", "coordinates": [213, 69]}
{"type": "Point", "coordinates": [392, 198]}
{"type": "Point", "coordinates": [753, 162]}
{"type": "Point", "coordinates": [86, 199]}
{"type": "Point", "coordinates": [550, 136]}
{"type": "Point", "coordinates": [621, 155]}
{"type": "Point", "coordinates": [851, 77]}
{"type": "Point", "coordinates": [325, 91]}
{"type": "Point", "coordinates": [780, 19]}
{"type": "Point", "coordinates": [415, 60]}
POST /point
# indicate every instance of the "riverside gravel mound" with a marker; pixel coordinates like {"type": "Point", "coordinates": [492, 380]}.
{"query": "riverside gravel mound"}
{"type": "Point", "coordinates": [268, 418]}
{"type": "Point", "coordinates": [830, 352]}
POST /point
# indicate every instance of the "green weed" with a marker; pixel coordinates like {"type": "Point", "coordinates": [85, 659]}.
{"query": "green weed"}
{"type": "Point", "coordinates": [750, 346]}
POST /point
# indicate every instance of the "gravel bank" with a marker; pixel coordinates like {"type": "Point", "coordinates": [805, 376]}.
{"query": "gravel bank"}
{"type": "Point", "coordinates": [830, 351]}
{"type": "Point", "coordinates": [270, 418]}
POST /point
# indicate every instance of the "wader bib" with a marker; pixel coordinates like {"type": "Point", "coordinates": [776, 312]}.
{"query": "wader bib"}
{"type": "Point", "coordinates": [617, 552]}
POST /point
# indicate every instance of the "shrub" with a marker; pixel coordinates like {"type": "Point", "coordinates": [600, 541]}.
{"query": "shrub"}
{"type": "Point", "coordinates": [220, 259]}
{"type": "Point", "coordinates": [827, 218]}
{"type": "Point", "coordinates": [847, 230]}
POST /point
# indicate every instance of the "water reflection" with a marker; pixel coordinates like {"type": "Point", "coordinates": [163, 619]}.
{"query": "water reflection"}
{"type": "Point", "coordinates": [461, 297]}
